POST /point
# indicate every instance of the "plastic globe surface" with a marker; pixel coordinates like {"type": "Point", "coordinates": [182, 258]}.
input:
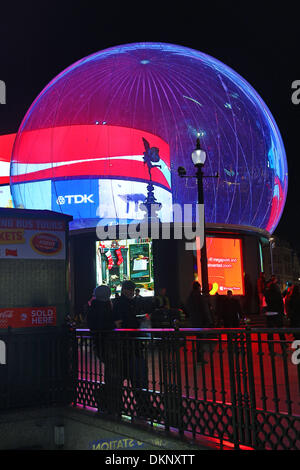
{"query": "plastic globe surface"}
{"type": "Point", "coordinates": [114, 127]}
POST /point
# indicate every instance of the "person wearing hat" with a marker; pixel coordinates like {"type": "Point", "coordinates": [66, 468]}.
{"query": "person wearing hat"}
{"type": "Point", "coordinates": [99, 316]}
{"type": "Point", "coordinates": [100, 322]}
{"type": "Point", "coordinates": [131, 364]}
{"type": "Point", "coordinates": [124, 310]}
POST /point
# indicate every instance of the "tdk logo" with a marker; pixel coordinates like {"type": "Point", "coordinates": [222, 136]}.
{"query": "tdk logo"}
{"type": "Point", "coordinates": [75, 199]}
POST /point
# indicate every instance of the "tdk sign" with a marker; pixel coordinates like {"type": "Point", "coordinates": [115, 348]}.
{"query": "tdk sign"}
{"type": "Point", "coordinates": [75, 199]}
{"type": "Point", "coordinates": [78, 198]}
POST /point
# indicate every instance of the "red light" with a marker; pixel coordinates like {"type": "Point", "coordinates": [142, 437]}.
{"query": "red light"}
{"type": "Point", "coordinates": [6, 146]}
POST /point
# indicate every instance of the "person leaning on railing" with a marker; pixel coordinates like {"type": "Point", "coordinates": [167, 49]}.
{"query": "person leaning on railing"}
{"type": "Point", "coordinates": [99, 317]}
{"type": "Point", "coordinates": [100, 322]}
{"type": "Point", "coordinates": [199, 316]}
{"type": "Point", "coordinates": [131, 363]}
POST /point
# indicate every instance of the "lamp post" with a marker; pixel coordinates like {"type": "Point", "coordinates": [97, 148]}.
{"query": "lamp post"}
{"type": "Point", "coordinates": [272, 244]}
{"type": "Point", "coordinates": [198, 158]}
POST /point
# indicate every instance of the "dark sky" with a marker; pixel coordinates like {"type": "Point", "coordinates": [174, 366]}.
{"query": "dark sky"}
{"type": "Point", "coordinates": [259, 40]}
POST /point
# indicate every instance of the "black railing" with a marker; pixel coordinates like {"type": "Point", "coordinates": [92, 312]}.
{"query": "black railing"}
{"type": "Point", "coordinates": [240, 386]}
{"type": "Point", "coordinates": [236, 386]}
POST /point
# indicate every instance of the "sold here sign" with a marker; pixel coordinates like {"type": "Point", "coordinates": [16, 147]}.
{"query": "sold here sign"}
{"type": "Point", "coordinates": [27, 317]}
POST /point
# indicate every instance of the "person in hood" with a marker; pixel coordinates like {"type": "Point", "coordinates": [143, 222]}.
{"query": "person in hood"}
{"type": "Point", "coordinates": [99, 316]}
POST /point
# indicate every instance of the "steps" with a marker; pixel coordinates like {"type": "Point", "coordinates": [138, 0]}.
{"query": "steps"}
{"type": "Point", "coordinates": [258, 321]}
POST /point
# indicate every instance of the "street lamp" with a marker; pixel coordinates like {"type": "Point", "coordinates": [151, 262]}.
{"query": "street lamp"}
{"type": "Point", "coordinates": [272, 244]}
{"type": "Point", "coordinates": [198, 158]}
{"type": "Point", "coordinates": [198, 155]}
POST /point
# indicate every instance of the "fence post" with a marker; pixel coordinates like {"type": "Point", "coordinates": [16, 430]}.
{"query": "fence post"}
{"type": "Point", "coordinates": [251, 380]}
{"type": "Point", "coordinates": [232, 379]}
{"type": "Point", "coordinates": [171, 372]}
{"type": "Point", "coordinates": [72, 367]}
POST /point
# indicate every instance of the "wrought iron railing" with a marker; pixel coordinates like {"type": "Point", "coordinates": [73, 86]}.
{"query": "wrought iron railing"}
{"type": "Point", "coordinates": [240, 386]}
{"type": "Point", "coordinates": [236, 386]}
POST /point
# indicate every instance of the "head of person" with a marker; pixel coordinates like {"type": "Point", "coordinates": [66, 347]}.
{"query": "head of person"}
{"type": "Point", "coordinates": [128, 289]}
{"type": "Point", "coordinates": [137, 292]}
{"type": "Point", "coordinates": [262, 275]}
{"type": "Point", "coordinates": [162, 291]}
{"type": "Point", "coordinates": [102, 293]}
{"type": "Point", "coordinates": [229, 293]}
{"type": "Point", "coordinates": [196, 286]}
{"type": "Point", "coordinates": [274, 279]}
{"type": "Point", "coordinates": [295, 290]}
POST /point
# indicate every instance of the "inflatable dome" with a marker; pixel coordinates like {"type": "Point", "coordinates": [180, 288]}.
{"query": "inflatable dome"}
{"type": "Point", "coordinates": [124, 119]}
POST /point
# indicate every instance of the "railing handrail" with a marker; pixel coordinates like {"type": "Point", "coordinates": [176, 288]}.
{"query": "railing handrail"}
{"type": "Point", "coordinates": [284, 330]}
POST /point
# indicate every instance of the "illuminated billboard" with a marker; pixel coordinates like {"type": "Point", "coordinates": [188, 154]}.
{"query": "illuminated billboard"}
{"type": "Point", "coordinates": [100, 172]}
{"type": "Point", "coordinates": [121, 260]}
{"type": "Point", "coordinates": [225, 265]}
{"type": "Point", "coordinates": [6, 146]}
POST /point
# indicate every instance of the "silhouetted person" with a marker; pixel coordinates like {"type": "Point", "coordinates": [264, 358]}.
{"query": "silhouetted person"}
{"type": "Point", "coordinates": [199, 316]}
{"type": "Point", "coordinates": [292, 305]}
{"type": "Point", "coordinates": [261, 286]}
{"type": "Point", "coordinates": [274, 310]}
{"type": "Point", "coordinates": [218, 309]}
{"type": "Point", "coordinates": [198, 309]}
{"type": "Point", "coordinates": [139, 302]}
{"type": "Point", "coordinates": [275, 307]}
{"type": "Point", "coordinates": [99, 316]}
{"type": "Point", "coordinates": [231, 311]}
{"type": "Point", "coordinates": [162, 300]}
{"type": "Point", "coordinates": [129, 361]}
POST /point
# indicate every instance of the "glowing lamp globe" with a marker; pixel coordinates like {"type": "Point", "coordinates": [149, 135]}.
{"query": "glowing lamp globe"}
{"type": "Point", "coordinates": [127, 117]}
{"type": "Point", "coordinates": [198, 155]}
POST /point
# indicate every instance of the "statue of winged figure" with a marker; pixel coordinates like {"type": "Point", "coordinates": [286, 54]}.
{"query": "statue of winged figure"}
{"type": "Point", "coordinates": [150, 155]}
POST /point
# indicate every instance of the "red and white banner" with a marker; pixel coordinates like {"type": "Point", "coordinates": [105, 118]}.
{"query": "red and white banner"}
{"type": "Point", "coordinates": [90, 151]}
{"type": "Point", "coordinates": [27, 317]}
{"type": "Point", "coordinates": [6, 146]}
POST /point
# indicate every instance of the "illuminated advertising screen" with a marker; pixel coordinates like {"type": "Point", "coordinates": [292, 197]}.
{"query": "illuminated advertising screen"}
{"type": "Point", "coordinates": [6, 145]}
{"type": "Point", "coordinates": [95, 173]}
{"type": "Point", "coordinates": [225, 265]}
{"type": "Point", "coordinates": [121, 260]}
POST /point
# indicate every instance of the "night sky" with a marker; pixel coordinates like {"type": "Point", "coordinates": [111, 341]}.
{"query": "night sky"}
{"type": "Point", "coordinates": [259, 41]}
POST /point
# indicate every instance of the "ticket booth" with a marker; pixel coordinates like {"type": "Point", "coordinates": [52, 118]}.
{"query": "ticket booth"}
{"type": "Point", "coordinates": [34, 301]}
{"type": "Point", "coordinates": [33, 268]}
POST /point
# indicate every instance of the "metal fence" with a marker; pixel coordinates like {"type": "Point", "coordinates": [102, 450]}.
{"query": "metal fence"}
{"type": "Point", "coordinates": [237, 386]}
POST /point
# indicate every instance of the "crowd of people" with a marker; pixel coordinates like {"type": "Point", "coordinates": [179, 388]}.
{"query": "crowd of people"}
{"type": "Point", "coordinates": [279, 307]}
{"type": "Point", "coordinates": [218, 311]}
{"type": "Point", "coordinates": [130, 310]}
